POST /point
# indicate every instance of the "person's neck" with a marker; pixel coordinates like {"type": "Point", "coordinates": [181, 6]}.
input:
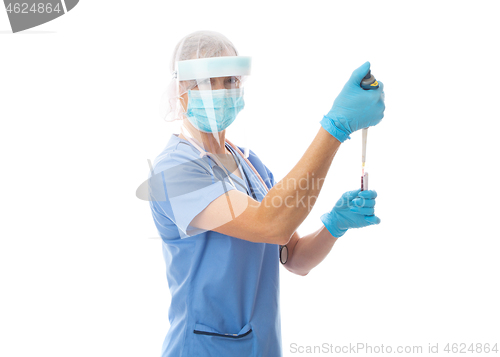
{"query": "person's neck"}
{"type": "Point", "coordinates": [208, 140]}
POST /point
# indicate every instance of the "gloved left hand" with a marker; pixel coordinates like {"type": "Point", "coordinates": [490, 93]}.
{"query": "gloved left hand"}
{"type": "Point", "coordinates": [355, 209]}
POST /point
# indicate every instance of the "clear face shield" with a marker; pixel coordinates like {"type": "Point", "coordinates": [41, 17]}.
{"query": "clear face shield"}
{"type": "Point", "coordinates": [206, 95]}
{"type": "Point", "coordinates": [211, 94]}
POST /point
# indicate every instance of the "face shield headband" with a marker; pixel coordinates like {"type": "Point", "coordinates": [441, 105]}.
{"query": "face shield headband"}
{"type": "Point", "coordinates": [212, 67]}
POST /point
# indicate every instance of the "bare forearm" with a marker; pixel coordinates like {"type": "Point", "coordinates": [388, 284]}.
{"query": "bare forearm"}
{"type": "Point", "coordinates": [289, 202]}
{"type": "Point", "coordinates": [307, 252]}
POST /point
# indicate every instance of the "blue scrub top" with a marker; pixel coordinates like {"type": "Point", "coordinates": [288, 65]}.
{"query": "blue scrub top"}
{"type": "Point", "coordinates": [225, 290]}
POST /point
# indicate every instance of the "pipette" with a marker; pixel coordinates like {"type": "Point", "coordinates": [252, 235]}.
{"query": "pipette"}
{"type": "Point", "coordinates": [364, 176]}
{"type": "Point", "coordinates": [368, 82]}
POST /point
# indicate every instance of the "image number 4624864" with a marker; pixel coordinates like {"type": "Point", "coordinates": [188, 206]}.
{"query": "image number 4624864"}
{"type": "Point", "coordinates": [26, 14]}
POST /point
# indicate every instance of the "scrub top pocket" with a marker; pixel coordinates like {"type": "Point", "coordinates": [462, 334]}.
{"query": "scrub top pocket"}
{"type": "Point", "coordinates": [208, 342]}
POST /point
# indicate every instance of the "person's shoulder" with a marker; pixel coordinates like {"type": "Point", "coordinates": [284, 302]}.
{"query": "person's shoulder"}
{"type": "Point", "coordinates": [176, 152]}
{"type": "Point", "coordinates": [181, 160]}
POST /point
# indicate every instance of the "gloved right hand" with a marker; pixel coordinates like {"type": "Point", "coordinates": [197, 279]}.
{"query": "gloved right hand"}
{"type": "Point", "coordinates": [355, 108]}
{"type": "Point", "coordinates": [355, 209]}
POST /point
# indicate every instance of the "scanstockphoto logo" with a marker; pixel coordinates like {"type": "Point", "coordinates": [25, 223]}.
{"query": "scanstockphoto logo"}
{"type": "Point", "coordinates": [27, 14]}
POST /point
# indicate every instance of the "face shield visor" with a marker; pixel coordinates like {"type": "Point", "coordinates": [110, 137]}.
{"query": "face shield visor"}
{"type": "Point", "coordinates": [210, 94]}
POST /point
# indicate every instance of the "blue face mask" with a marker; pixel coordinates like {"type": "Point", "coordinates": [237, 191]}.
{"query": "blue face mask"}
{"type": "Point", "coordinates": [214, 110]}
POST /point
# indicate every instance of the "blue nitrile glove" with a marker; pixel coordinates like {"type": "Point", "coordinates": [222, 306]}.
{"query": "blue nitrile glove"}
{"type": "Point", "coordinates": [355, 209]}
{"type": "Point", "coordinates": [355, 108]}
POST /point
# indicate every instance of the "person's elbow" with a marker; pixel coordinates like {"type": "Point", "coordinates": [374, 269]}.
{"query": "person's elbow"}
{"type": "Point", "coordinates": [300, 272]}
{"type": "Point", "coordinates": [273, 231]}
{"type": "Point", "coordinates": [276, 235]}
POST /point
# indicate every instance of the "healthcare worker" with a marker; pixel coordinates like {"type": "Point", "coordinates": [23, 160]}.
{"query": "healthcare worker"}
{"type": "Point", "coordinates": [225, 223]}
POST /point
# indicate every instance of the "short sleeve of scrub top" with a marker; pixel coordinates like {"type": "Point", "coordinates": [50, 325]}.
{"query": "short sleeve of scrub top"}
{"type": "Point", "coordinates": [184, 184]}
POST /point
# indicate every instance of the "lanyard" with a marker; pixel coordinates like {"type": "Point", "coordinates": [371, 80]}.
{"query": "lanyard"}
{"type": "Point", "coordinates": [203, 152]}
{"type": "Point", "coordinates": [283, 249]}
{"type": "Point", "coordinates": [249, 184]}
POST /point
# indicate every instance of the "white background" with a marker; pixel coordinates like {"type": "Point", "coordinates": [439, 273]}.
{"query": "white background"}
{"type": "Point", "coordinates": [81, 274]}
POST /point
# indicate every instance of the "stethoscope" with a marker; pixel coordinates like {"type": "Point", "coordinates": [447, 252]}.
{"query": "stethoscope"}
{"type": "Point", "coordinates": [219, 166]}
{"type": "Point", "coordinates": [283, 250]}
